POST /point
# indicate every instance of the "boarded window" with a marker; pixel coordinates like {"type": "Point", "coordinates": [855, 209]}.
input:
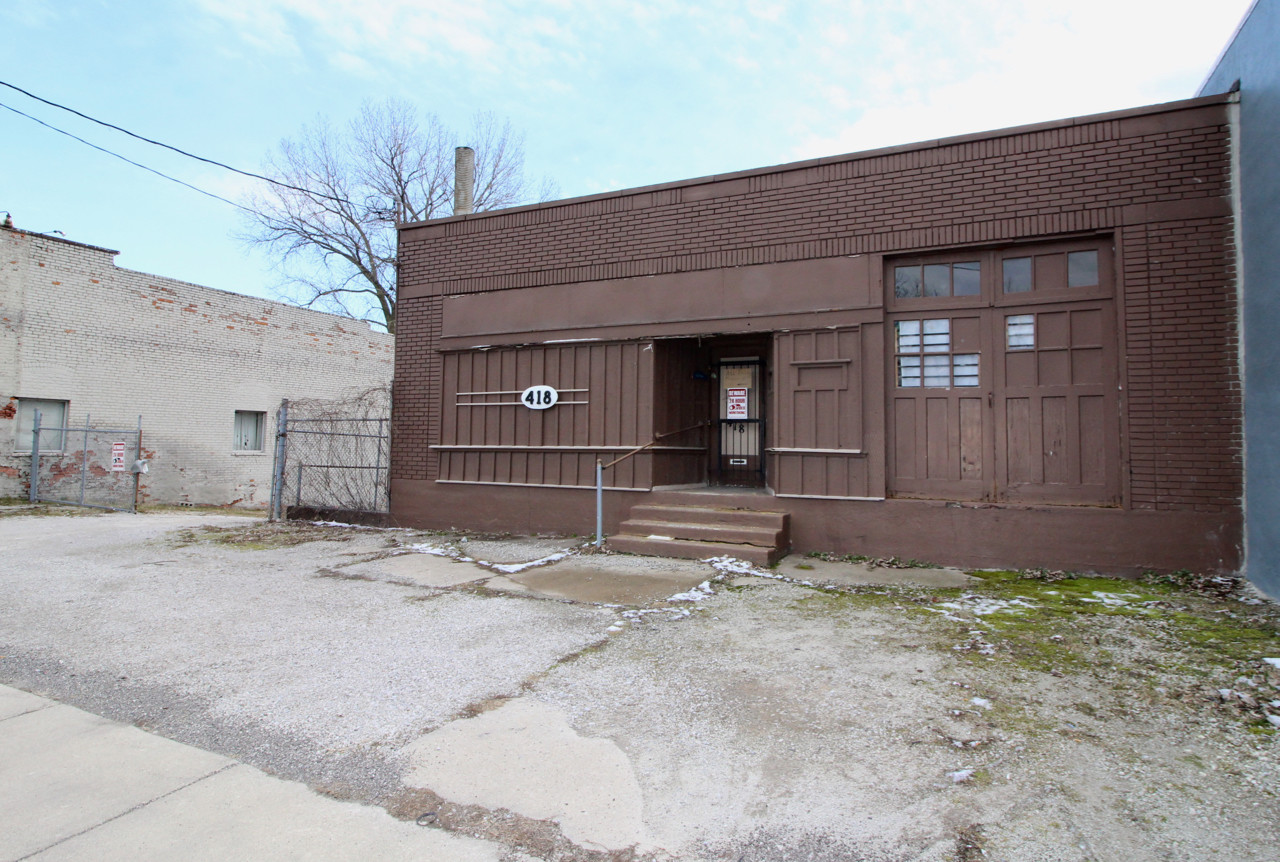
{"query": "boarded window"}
{"type": "Point", "coordinates": [247, 435]}
{"type": "Point", "coordinates": [53, 419]}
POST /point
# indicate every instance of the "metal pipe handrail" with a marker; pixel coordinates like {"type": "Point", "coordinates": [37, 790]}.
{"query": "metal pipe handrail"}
{"type": "Point", "coordinates": [654, 442]}
{"type": "Point", "coordinates": [600, 468]}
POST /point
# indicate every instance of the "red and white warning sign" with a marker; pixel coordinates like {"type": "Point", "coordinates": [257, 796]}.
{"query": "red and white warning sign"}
{"type": "Point", "coordinates": [117, 457]}
{"type": "Point", "coordinates": [737, 404]}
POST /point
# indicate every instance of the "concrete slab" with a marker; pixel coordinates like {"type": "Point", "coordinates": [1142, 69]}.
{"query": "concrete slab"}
{"type": "Point", "coordinates": [427, 570]}
{"type": "Point", "coordinates": [75, 787]}
{"type": "Point", "coordinates": [503, 584]}
{"type": "Point", "coordinates": [242, 813]}
{"type": "Point", "coordinates": [15, 702]}
{"type": "Point", "coordinates": [524, 756]}
{"type": "Point", "coordinates": [517, 549]}
{"type": "Point", "coordinates": [622, 580]}
{"type": "Point", "coordinates": [63, 771]}
{"type": "Point", "coordinates": [802, 568]}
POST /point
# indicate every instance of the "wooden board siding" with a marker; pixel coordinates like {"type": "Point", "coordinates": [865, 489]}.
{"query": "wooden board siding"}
{"type": "Point", "coordinates": [605, 409]}
{"type": "Point", "coordinates": [819, 415]}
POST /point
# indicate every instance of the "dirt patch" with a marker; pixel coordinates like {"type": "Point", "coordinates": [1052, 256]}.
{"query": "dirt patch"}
{"type": "Point", "coordinates": [261, 537]}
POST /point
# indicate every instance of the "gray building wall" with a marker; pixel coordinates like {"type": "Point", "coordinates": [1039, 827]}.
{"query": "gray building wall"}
{"type": "Point", "coordinates": [1253, 58]}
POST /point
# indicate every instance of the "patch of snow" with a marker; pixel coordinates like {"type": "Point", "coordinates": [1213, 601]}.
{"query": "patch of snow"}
{"type": "Point", "coordinates": [734, 566]}
{"type": "Point", "coordinates": [981, 703]}
{"type": "Point", "coordinates": [1274, 662]}
{"type": "Point", "coordinates": [661, 538]}
{"type": "Point", "coordinates": [960, 775]}
{"type": "Point", "coordinates": [982, 606]}
{"type": "Point", "coordinates": [1274, 719]}
{"type": "Point", "coordinates": [1112, 600]}
{"type": "Point", "coordinates": [433, 550]}
{"type": "Point", "coordinates": [697, 594]}
{"type": "Point", "coordinates": [513, 568]}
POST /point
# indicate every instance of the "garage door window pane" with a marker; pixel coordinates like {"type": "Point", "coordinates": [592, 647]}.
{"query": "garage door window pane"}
{"type": "Point", "coordinates": [908, 371]}
{"type": "Point", "coordinates": [906, 282]}
{"type": "Point", "coordinates": [1082, 269]}
{"type": "Point", "coordinates": [1017, 275]}
{"type": "Point", "coordinates": [964, 369]}
{"type": "Point", "coordinates": [967, 278]}
{"type": "Point", "coordinates": [1020, 331]}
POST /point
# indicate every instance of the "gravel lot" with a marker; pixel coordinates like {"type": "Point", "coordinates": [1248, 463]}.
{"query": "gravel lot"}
{"type": "Point", "coordinates": [760, 718]}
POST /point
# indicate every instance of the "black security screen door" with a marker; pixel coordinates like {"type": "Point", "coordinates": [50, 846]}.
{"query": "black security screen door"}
{"type": "Point", "coordinates": [741, 438]}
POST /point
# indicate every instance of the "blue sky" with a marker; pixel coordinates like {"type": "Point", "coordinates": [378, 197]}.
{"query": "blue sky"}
{"type": "Point", "coordinates": [609, 94]}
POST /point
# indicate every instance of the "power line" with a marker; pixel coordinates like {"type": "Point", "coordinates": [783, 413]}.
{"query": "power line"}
{"type": "Point", "coordinates": [30, 95]}
{"type": "Point", "coordinates": [123, 159]}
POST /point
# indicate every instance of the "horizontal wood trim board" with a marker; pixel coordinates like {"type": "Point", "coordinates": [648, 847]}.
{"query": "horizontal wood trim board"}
{"type": "Point", "coordinates": [479, 447]}
{"type": "Point", "coordinates": [824, 497]}
{"type": "Point", "coordinates": [819, 363]}
{"type": "Point", "coordinates": [516, 404]}
{"type": "Point", "coordinates": [779, 451]}
{"type": "Point", "coordinates": [531, 485]}
{"type": "Point", "coordinates": [511, 392]}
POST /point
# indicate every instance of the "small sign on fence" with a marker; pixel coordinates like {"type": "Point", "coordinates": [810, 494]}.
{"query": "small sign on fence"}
{"type": "Point", "coordinates": [117, 457]}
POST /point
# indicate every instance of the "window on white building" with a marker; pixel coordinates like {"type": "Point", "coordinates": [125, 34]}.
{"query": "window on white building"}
{"type": "Point", "coordinates": [247, 436]}
{"type": "Point", "coordinates": [53, 419]}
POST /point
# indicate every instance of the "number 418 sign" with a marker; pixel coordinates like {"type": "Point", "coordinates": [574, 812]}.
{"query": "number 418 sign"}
{"type": "Point", "coordinates": [539, 397]}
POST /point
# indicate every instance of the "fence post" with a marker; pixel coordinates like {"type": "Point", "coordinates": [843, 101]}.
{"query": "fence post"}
{"type": "Point", "coordinates": [34, 494]}
{"type": "Point", "coordinates": [599, 503]}
{"type": "Point", "coordinates": [377, 471]}
{"type": "Point", "coordinates": [137, 474]}
{"type": "Point", "coordinates": [84, 455]}
{"type": "Point", "coordinates": [277, 468]}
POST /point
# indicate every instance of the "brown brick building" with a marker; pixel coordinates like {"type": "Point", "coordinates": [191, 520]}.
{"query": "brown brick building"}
{"type": "Point", "coordinates": [1012, 348]}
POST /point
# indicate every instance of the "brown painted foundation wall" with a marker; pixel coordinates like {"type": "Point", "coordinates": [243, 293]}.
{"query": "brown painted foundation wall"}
{"type": "Point", "coordinates": [1106, 540]}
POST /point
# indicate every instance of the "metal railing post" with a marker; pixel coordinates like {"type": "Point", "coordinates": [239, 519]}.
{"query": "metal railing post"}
{"type": "Point", "coordinates": [34, 494]}
{"type": "Point", "coordinates": [599, 502]}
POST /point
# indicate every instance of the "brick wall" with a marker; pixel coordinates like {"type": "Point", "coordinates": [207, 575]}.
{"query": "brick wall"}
{"type": "Point", "coordinates": [415, 422]}
{"type": "Point", "coordinates": [117, 344]}
{"type": "Point", "coordinates": [1156, 178]}
{"type": "Point", "coordinates": [1184, 396]}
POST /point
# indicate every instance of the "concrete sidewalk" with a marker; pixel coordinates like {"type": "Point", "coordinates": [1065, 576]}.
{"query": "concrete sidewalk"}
{"type": "Point", "coordinates": [74, 786]}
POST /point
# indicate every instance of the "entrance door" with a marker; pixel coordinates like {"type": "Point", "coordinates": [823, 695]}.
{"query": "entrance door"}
{"type": "Point", "coordinates": [740, 440]}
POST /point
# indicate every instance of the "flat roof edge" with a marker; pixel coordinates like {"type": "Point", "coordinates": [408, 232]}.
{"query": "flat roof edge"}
{"type": "Point", "coordinates": [1086, 119]}
{"type": "Point", "coordinates": [19, 230]}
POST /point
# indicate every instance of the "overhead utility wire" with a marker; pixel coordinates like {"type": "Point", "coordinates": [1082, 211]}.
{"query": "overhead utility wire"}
{"type": "Point", "coordinates": [311, 192]}
{"type": "Point", "coordinates": [123, 159]}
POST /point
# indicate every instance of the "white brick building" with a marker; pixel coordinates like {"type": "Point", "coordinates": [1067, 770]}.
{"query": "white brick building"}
{"type": "Point", "coordinates": [205, 369]}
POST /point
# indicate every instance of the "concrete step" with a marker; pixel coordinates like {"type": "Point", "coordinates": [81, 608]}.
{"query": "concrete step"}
{"type": "Point", "coordinates": [698, 532]}
{"type": "Point", "coordinates": [765, 537]}
{"type": "Point", "coordinates": [709, 515]}
{"type": "Point", "coordinates": [692, 550]}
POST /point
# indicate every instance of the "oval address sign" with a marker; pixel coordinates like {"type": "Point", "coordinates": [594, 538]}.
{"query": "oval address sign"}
{"type": "Point", "coordinates": [539, 397]}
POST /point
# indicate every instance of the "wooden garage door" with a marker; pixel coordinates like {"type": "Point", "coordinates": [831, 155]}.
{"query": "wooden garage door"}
{"type": "Point", "coordinates": [1003, 376]}
{"type": "Point", "coordinates": [1056, 405]}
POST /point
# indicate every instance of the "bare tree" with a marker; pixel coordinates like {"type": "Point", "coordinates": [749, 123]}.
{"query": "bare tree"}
{"type": "Point", "coordinates": [335, 228]}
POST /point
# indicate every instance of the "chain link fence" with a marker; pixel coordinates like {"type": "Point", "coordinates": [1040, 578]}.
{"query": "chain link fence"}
{"type": "Point", "coordinates": [86, 466]}
{"type": "Point", "coordinates": [333, 457]}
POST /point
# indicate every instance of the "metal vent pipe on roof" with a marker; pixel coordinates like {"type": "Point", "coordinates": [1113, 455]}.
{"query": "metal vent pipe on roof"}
{"type": "Point", "coordinates": [464, 180]}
